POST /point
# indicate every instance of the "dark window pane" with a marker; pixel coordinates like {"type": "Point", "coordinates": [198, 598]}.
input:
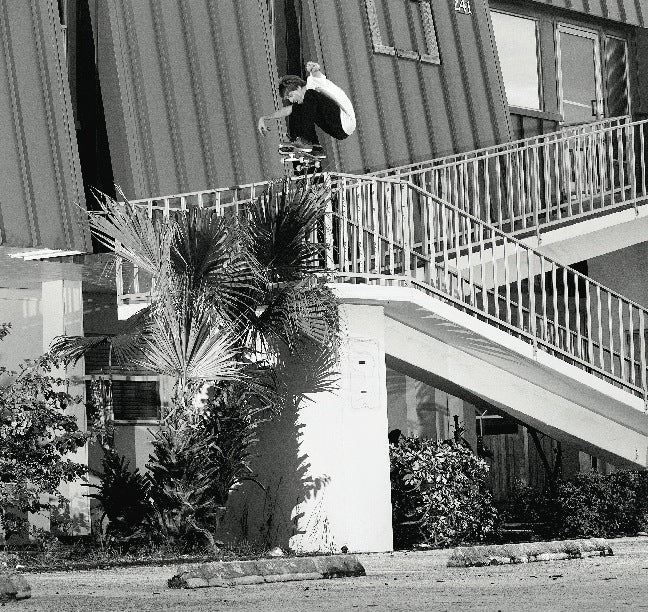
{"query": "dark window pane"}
{"type": "Point", "coordinates": [616, 77]}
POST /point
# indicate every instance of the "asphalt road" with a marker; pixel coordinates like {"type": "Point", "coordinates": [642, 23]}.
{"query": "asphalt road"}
{"type": "Point", "coordinates": [399, 581]}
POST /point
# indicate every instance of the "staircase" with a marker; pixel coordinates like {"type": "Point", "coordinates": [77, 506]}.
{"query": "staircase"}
{"type": "Point", "coordinates": [444, 247]}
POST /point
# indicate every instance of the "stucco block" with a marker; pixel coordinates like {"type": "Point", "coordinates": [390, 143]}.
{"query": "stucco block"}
{"type": "Point", "coordinates": [231, 573]}
{"type": "Point", "coordinates": [13, 586]}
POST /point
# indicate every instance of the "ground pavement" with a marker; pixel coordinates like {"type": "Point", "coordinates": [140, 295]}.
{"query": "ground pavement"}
{"type": "Point", "coordinates": [399, 581]}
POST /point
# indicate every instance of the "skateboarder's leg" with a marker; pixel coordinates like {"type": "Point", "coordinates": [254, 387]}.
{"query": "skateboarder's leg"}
{"type": "Point", "coordinates": [331, 90]}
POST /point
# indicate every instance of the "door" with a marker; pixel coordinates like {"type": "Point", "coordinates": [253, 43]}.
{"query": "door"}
{"type": "Point", "coordinates": [579, 75]}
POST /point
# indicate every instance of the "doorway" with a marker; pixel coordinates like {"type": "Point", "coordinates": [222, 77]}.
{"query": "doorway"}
{"type": "Point", "coordinates": [580, 86]}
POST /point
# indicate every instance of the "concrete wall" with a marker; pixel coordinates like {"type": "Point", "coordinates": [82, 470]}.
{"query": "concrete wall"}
{"type": "Point", "coordinates": [623, 271]}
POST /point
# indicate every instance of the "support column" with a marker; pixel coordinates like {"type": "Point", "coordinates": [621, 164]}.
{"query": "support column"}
{"type": "Point", "coordinates": [344, 437]}
{"type": "Point", "coordinates": [62, 307]}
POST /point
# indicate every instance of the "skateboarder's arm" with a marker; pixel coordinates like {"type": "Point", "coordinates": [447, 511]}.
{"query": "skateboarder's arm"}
{"type": "Point", "coordinates": [280, 114]}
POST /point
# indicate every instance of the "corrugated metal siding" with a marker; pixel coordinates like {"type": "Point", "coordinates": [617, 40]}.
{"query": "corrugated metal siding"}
{"type": "Point", "coordinates": [41, 190]}
{"type": "Point", "coordinates": [184, 83]}
{"type": "Point", "coordinates": [634, 12]}
{"type": "Point", "coordinates": [407, 110]}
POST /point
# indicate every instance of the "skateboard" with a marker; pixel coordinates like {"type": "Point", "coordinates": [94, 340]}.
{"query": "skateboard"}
{"type": "Point", "coordinates": [304, 158]}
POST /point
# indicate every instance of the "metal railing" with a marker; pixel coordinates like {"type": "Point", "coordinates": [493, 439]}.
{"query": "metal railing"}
{"type": "Point", "coordinates": [387, 231]}
{"type": "Point", "coordinates": [529, 184]}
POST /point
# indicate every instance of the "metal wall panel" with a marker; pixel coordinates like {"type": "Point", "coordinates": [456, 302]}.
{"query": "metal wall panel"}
{"type": "Point", "coordinates": [633, 12]}
{"type": "Point", "coordinates": [183, 84]}
{"type": "Point", "coordinates": [410, 110]}
{"type": "Point", "coordinates": [41, 191]}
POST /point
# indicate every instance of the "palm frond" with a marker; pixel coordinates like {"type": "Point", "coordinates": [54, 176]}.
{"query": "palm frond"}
{"type": "Point", "coordinates": [308, 369]}
{"type": "Point", "coordinates": [130, 233]}
{"type": "Point", "coordinates": [209, 252]}
{"type": "Point", "coordinates": [283, 226]}
{"type": "Point", "coordinates": [69, 349]}
{"type": "Point", "coordinates": [187, 340]}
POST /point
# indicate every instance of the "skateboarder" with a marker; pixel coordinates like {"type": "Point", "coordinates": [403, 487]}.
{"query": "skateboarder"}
{"type": "Point", "coordinates": [316, 101]}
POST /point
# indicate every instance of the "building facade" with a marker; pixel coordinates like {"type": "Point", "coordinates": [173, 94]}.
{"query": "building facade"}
{"type": "Point", "coordinates": [521, 120]}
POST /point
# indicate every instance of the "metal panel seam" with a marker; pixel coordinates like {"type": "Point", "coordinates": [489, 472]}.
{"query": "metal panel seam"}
{"type": "Point", "coordinates": [198, 93]}
{"type": "Point", "coordinates": [169, 96]}
{"type": "Point", "coordinates": [395, 61]}
{"type": "Point", "coordinates": [19, 128]}
{"type": "Point", "coordinates": [138, 102]}
{"type": "Point", "coordinates": [466, 82]}
{"type": "Point", "coordinates": [77, 181]}
{"type": "Point", "coordinates": [272, 69]}
{"type": "Point", "coordinates": [46, 91]}
{"type": "Point", "coordinates": [223, 80]}
{"type": "Point", "coordinates": [352, 89]}
{"type": "Point", "coordinates": [252, 88]}
{"type": "Point", "coordinates": [485, 71]}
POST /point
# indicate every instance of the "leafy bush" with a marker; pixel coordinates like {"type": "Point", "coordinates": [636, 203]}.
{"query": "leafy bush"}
{"type": "Point", "coordinates": [439, 494]}
{"type": "Point", "coordinates": [194, 465]}
{"type": "Point", "coordinates": [588, 505]}
{"type": "Point", "coordinates": [35, 438]}
{"type": "Point", "coordinates": [124, 497]}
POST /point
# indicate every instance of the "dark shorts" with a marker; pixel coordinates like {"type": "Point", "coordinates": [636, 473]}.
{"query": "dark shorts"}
{"type": "Point", "coordinates": [316, 110]}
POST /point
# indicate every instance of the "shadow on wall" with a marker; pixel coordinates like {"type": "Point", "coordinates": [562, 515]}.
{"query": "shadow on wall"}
{"type": "Point", "coordinates": [268, 512]}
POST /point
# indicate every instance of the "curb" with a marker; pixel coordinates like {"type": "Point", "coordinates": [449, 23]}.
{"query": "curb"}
{"type": "Point", "coordinates": [232, 573]}
{"type": "Point", "coordinates": [13, 586]}
{"type": "Point", "coordinates": [504, 554]}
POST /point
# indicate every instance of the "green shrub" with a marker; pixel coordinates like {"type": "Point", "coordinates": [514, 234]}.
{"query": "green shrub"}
{"type": "Point", "coordinates": [37, 438]}
{"type": "Point", "coordinates": [193, 468]}
{"type": "Point", "coordinates": [439, 494]}
{"type": "Point", "coordinates": [595, 505]}
{"type": "Point", "coordinates": [588, 505]}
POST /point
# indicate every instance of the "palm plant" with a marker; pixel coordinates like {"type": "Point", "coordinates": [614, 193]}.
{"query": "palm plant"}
{"type": "Point", "coordinates": [226, 288]}
{"type": "Point", "coordinates": [235, 299]}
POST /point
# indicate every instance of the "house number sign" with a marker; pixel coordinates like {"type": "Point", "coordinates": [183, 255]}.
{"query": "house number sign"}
{"type": "Point", "coordinates": [463, 6]}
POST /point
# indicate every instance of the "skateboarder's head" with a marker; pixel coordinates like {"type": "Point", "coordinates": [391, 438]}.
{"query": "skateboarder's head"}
{"type": "Point", "coordinates": [292, 88]}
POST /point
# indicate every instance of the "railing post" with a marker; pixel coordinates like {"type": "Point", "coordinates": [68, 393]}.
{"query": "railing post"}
{"type": "Point", "coordinates": [119, 277]}
{"type": "Point", "coordinates": [329, 261]}
{"type": "Point", "coordinates": [407, 229]}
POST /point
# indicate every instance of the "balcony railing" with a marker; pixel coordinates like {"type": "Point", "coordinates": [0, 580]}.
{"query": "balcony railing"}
{"type": "Point", "coordinates": [390, 232]}
{"type": "Point", "coordinates": [530, 184]}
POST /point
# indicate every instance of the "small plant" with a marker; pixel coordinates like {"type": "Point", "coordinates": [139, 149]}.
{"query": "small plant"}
{"type": "Point", "coordinates": [439, 494]}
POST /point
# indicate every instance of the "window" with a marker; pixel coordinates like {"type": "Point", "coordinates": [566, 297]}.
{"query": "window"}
{"type": "Point", "coordinates": [403, 28]}
{"type": "Point", "coordinates": [130, 400]}
{"type": "Point", "coordinates": [517, 47]}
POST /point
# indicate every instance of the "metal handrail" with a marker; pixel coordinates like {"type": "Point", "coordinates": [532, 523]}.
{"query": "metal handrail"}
{"type": "Point", "coordinates": [390, 228]}
{"type": "Point", "coordinates": [538, 182]}
{"type": "Point", "coordinates": [565, 132]}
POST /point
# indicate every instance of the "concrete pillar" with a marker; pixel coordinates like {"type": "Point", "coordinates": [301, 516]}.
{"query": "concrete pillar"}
{"type": "Point", "coordinates": [344, 437]}
{"type": "Point", "coordinates": [62, 308]}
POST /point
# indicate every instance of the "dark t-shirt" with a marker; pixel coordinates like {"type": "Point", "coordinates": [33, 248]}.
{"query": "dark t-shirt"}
{"type": "Point", "coordinates": [316, 109]}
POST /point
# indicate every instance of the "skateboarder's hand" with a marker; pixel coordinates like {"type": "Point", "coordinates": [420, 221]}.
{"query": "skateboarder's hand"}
{"type": "Point", "coordinates": [312, 67]}
{"type": "Point", "coordinates": [262, 128]}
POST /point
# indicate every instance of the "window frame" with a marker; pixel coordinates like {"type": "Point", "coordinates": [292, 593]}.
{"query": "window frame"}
{"type": "Point", "coordinates": [431, 57]}
{"type": "Point", "coordinates": [539, 60]}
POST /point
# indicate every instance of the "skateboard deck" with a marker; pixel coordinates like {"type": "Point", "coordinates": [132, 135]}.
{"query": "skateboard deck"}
{"type": "Point", "coordinates": [302, 157]}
